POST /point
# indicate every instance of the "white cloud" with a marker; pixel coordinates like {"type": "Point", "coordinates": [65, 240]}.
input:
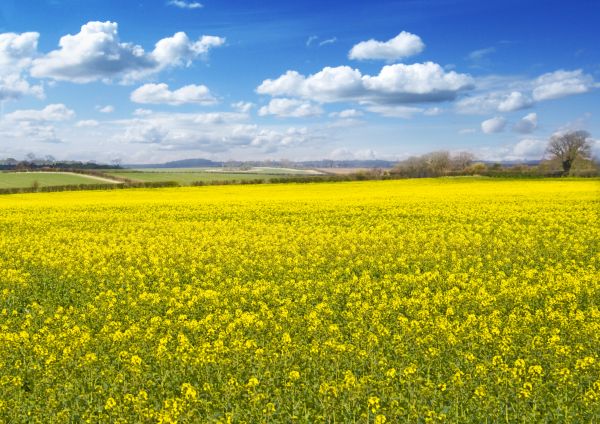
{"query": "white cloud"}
{"type": "Point", "coordinates": [144, 133]}
{"type": "Point", "coordinates": [96, 53]}
{"type": "Point", "coordinates": [554, 85]}
{"type": "Point", "coordinates": [180, 50]}
{"type": "Point", "coordinates": [395, 111]}
{"type": "Point", "coordinates": [290, 108]}
{"type": "Point", "coordinates": [30, 131]}
{"type": "Point", "coordinates": [207, 132]}
{"type": "Point", "coordinates": [243, 107]}
{"type": "Point", "coordinates": [347, 114]}
{"type": "Point", "coordinates": [419, 82]}
{"type": "Point", "coordinates": [16, 54]}
{"type": "Point", "coordinates": [142, 112]}
{"type": "Point", "coordinates": [160, 94]}
{"type": "Point", "coordinates": [311, 39]}
{"type": "Point", "coordinates": [480, 54]}
{"type": "Point", "coordinates": [515, 100]}
{"type": "Point", "coordinates": [182, 4]}
{"type": "Point", "coordinates": [506, 94]}
{"type": "Point", "coordinates": [403, 45]}
{"type": "Point", "coordinates": [17, 50]}
{"type": "Point", "coordinates": [15, 86]}
{"type": "Point", "coordinates": [493, 125]}
{"type": "Point", "coordinates": [527, 124]}
{"type": "Point", "coordinates": [529, 149]}
{"type": "Point", "coordinates": [433, 111]}
{"type": "Point", "coordinates": [328, 41]}
{"type": "Point", "coordinates": [105, 109]}
{"type": "Point", "coordinates": [395, 84]}
{"type": "Point", "coordinates": [53, 112]}
{"type": "Point", "coordinates": [523, 150]}
{"type": "Point", "coordinates": [348, 154]}
{"type": "Point", "coordinates": [35, 125]}
{"type": "Point", "coordinates": [88, 123]}
{"type": "Point", "coordinates": [494, 102]}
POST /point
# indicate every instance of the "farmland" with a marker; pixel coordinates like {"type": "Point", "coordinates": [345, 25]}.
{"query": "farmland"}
{"type": "Point", "coordinates": [188, 176]}
{"type": "Point", "coordinates": [45, 179]}
{"type": "Point", "coordinates": [446, 300]}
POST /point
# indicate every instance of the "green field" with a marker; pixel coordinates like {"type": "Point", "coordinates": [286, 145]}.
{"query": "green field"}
{"type": "Point", "coordinates": [189, 177]}
{"type": "Point", "coordinates": [230, 170]}
{"type": "Point", "coordinates": [44, 179]}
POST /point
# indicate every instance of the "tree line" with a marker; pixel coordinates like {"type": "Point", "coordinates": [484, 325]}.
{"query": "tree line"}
{"type": "Point", "coordinates": [569, 153]}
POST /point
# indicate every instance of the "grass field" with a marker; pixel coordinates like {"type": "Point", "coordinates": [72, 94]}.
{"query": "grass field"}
{"type": "Point", "coordinates": [254, 170]}
{"type": "Point", "coordinates": [44, 179]}
{"type": "Point", "coordinates": [451, 300]}
{"type": "Point", "coordinates": [187, 176]}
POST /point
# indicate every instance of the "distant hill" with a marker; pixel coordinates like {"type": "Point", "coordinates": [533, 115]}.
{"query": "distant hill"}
{"type": "Point", "coordinates": [325, 163]}
{"type": "Point", "coordinates": [184, 163]}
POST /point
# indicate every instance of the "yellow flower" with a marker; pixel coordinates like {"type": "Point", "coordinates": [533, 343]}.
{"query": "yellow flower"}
{"type": "Point", "coordinates": [110, 404]}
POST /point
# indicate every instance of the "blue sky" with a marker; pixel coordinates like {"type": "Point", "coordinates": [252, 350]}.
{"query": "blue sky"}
{"type": "Point", "coordinates": [150, 81]}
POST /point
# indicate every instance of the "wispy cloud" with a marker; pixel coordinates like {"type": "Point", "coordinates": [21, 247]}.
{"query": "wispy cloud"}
{"type": "Point", "coordinates": [311, 40]}
{"type": "Point", "coordinates": [182, 4]}
{"type": "Point", "coordinates": [480, 54]}
{"type": "Point", "coordinates": [328, 41]}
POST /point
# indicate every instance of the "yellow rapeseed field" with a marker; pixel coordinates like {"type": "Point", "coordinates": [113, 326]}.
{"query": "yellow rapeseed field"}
{"type": "Point", "coordinates": [449, 300]}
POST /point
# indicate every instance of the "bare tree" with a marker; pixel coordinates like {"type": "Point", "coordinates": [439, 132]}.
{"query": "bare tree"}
{"type": "Point", "coordinates": [462, 160]}
{"type": "Point", "coordinates": [569, 146]}
{"type": "Point", "coordinates": [438, 162]}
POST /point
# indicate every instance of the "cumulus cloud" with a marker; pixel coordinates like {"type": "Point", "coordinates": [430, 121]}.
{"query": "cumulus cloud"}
{"type": "Point", "coordinates": [395, 84]}
{"type": "Point", "coordinates": [16, 54]}
{"type": "Point", "coordinates": [243, 107]}
{"type": "Point", "coordinates": [493, 125]}
{"type": "Point", "coordinates": [290, 108]}
{"type": "Point", "coordinates": [529, 149]}
{"type": "Point", "coordinates": [15, 86]}
{"type": "Point", "coordinates": [182, 4]}
{"type": "Point", "coordinates": [106, 109]}
{"type": "Point", "coordinates": [508, 95]}
{"type": "Point", "coordinates": [347, 154]}
{"type": "Point", "coordinates": [180, 50]}
{"type": "Point", "coordinates": [35, 125]}
{"type": "Point", "coordinates": [87, 123]}
{"type": "Point", "coordinates": [160, 94]}
{"type": "Point", "coordinates": [347, 114]}
{"type": "Point", "coordinates": [554, 85]}
{"type": "Point", "coordinates": [17, 50]}
{"type": "Point", "coordinates": [403, 45]}
{"type": "Point", "coordinates": [512, 101]}
{"type": "Point", "coordinates": [142, 112]}
{"type": "Point", "coordinates": [207, 132]}
{"type": "Point", "coordinates": [53, 112]}
{"type": "Point", "coordinates": [32, 131]}
{"type": "Point", "coordinates": [494, 102]}
{"type": "Point", "coordinates": [97, 53]}
{"type": "Point", "coordinates": [527, 124]}
{"type": "Point", "coordinates": [395, 111]}
{"type": "Point", "coordinates": [144, 133]}
{"type": "Point", "coordinates": [433, 111]}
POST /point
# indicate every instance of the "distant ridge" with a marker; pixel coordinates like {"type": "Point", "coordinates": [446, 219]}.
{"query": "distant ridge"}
{"type": "Point", "coordinates": [323, 163]}
{"type": "Point", "coordinates": [184, 163]}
